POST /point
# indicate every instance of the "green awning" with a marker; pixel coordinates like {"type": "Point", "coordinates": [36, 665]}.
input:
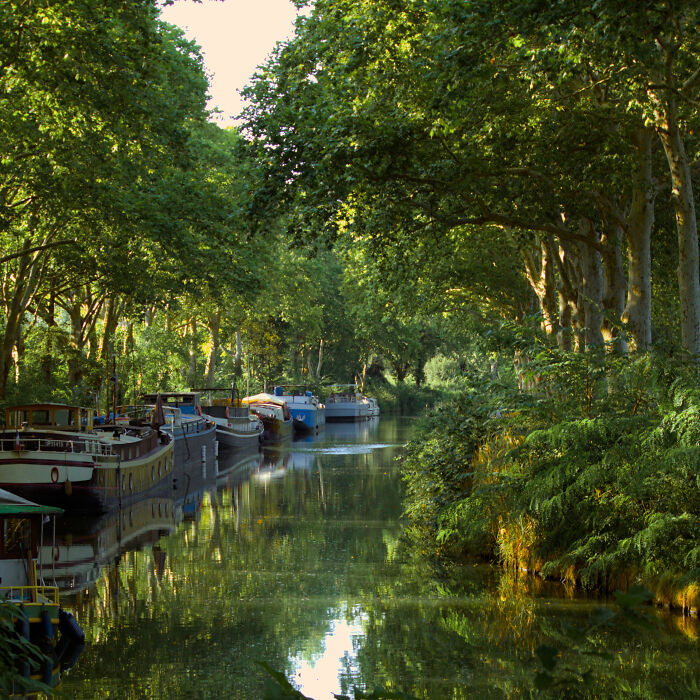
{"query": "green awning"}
{"type": "Point", "coordinates": [12, 509]}
{"type": "Point", "coordinates": [12, 504]}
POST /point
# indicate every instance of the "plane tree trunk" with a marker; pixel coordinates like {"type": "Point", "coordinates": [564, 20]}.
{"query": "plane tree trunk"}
{"type": "Point", "coordinates": [637, 312]}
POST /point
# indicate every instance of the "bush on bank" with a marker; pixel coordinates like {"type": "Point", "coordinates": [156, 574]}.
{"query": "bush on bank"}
{"type": "Point", "coordinates": [588, 471]}
{"type": "Point", "coordinates": [403, 399]}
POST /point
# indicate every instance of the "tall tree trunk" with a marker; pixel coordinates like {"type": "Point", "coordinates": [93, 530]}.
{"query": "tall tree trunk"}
{"type": "Point", "coordinates": [320, 360]}
{"type": "Point", "coordinates": [637, 313]}
{"type": "Point", "coordinates": [592, 287]}
{"type": "Point", "coordinates": [308, 361]}
{"type": "Point", "coordinates": [82, 307]}
{"type": "Point", "coordinates": [129, 371]}
{"type": "Point", "coordinates": [614, 289]}
{"type": "Point", "coordinates": [192, 352]}
{"type": "Point", "coordinates": [669, 132]}
{"type": "Point", "coordinates": [400, 371]}
{"type": "Point", "coordinates": [47, 362]}
{"type": "Point", "coordinates": [75, 355]}
{"type": "Point", "coordinates": [540, 272]}
{"type": "Point", "coordinates": [109, 326]}
{"type": "Point", "coordinates": [212, 356]}
{"type": "Point", "coordinates": [18, 289]}
{"type": "Point", "coordinates": [564, 340]}
{"type": "Point", "coordinates": [18, 352]}
{"type": "Point", "coordinates": [567, 281]}
{"type": "Point", "coordinates": [238, 356]}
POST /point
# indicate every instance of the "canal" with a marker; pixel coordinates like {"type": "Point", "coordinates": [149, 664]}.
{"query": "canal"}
{"type": "Point", "coordinates": [295, 558]}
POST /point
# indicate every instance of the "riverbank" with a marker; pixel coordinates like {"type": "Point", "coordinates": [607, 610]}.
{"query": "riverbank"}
{"type": "Point", "coordinates": [592, 478]}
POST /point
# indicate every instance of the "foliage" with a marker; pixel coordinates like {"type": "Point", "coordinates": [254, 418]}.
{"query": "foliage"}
{"type": "Point", "coordinates": [573, 478]}
{"type": "Point", "coordinates": [402, 399]}
{"type": "Point", "coordinates": [16, 652]}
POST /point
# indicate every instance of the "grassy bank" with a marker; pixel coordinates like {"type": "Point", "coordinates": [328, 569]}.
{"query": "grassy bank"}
{"type": "Point", "coordinates": [591, 476]}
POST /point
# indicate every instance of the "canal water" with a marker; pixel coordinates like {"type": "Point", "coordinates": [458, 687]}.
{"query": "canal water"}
{"type": "Point", "coordinates": [295, 558]}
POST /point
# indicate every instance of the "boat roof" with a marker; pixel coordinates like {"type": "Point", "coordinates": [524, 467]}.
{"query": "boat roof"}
{"type": "Point", "coordinates": [173, 394]}
{"type": "Point", "coordinates": [31, 406]}
{"type": "Point", "coordinates": [11, 504]}
{"type": "Point", "coordinates": [262, 398]}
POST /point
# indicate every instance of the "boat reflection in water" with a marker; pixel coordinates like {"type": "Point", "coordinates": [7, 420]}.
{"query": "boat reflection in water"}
{"type": "Point", "coordinates": [275, 464]}
{"type": "Point", "coordinates": [85, 546]}
{"type": "Point", "coordinates": [235, 466]}
{"type": "Point", "coordinates": [357, 432]}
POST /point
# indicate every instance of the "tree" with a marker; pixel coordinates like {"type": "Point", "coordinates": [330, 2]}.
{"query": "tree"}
{"type": "Point", "coordinates": [93, 99]}
{"type": "Point", "coordinates": [410, 124]}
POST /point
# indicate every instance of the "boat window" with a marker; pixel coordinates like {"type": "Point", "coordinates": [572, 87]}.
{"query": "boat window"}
{"type": "Point", "coordinates": [40, 417]}
{"type": "Point", "coordinates": [63, 416]}
{"type": "Point", "coordinates": [17, 537]}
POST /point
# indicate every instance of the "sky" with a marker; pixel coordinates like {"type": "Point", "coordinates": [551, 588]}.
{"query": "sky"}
{"type": "Point", "coordinates": [236, 36]}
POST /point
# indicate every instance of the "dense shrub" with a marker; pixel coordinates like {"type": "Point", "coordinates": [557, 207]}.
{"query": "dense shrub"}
{"type": "Point", "coordinates": [600, 487]}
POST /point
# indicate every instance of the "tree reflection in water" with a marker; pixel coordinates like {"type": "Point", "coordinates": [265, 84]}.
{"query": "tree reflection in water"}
{"type": "Point", "coordinates": [298, 560]}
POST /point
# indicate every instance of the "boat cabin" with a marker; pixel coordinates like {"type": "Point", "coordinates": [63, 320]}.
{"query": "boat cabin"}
{"type": "Point", "coordinates": [21, 535]}
{"type": "Point", "coordinates": [267, 405]}
{"type": "Point", "coordinates": [303, 396]}
{"type": "Point", "coordinates": [49, 416]}
{"type": "Point", "coordinates": [189, 402]}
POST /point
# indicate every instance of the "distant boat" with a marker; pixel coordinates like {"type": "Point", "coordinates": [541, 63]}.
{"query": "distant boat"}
{"type": "Point", "coordinates": [44, 623]}
{"type": "Point", "coordinates": [274, 414]}
{"type": "Point", "coordinates": [55, 455]}
{"type": "Point", "coordinates": [236, 427]}
{"type": "Point", "coordinates": [346, 405]}
{"type": "Point", "coordinates": [308, 414]}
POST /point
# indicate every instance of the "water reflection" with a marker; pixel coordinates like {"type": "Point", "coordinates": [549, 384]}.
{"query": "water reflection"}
{"type": "Point", "coordinates": [295, 556]}
{"type": "Point", "coordinates": [85, 546]}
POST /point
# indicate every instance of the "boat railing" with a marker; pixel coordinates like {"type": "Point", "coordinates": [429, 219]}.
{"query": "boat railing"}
{"type": "Point", "coordinates": [247, 424]}
{"type": "Point", "coordinates": [29, 443]}
{"type": "Point", "coordinates": [341, 398]}
{"type": "Point", "coordinates": [190, 424]}
{"type": "Point", "coordinates": [99, 449]}
{"type": "Point", "coordinates": [30, 594]}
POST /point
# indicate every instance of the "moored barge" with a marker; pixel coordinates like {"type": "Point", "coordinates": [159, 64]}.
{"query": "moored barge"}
{"type": "Point", "coordinates": [55, 455]}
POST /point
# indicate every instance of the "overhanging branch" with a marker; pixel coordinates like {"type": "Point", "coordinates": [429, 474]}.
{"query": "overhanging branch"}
{"type": "Point", "coordinates": [35, 249]}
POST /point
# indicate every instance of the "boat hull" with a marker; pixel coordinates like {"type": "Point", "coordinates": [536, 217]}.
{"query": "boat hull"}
{"type": "Point", "coordinates": [347, 411]}
{"type": "Point", "coordinates": [307, 419]}
{"type": "Point", "coordinates": [85, 485]}
{"type": "Point", "coordinates": [193, 440]}
{"type": "Point", "coordinates": [276, 430]}
{"type": "Point", "coordinates": [238, 440]}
